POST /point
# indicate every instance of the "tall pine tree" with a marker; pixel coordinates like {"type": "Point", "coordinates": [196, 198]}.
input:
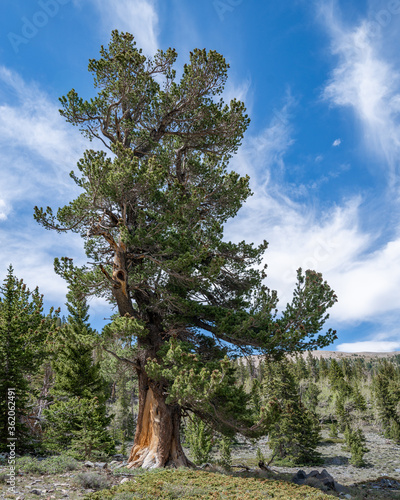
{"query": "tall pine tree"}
{"type": "Point", "coordinates": [152, 214]}
{"type": "Point", "coordinates": [386, 389]}
{"type": "Point", "coordinates": [295, 433]}
{"type": "Point", "coordinates": [76, 374]}
{"type": "Point", "coordinates": [23, 333]}
{"type": "Point", "coordinates": [77, 420]}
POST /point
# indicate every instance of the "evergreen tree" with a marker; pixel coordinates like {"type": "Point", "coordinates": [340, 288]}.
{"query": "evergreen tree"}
{"type": "Point", "coordinates": [386, 388]}
{"type": "Point", "coordinates": [355, 443]}
{"type": "Point", "coordinates": [225, 451]}
{"type": "Point", "coordinates": [77, 420]}
{"type": "Point", "coordinates": [312, 366]}
{"type": "Point", "coordinates": [323, 368]}
{"type": "Point", "coordinates": [309, 395]}
{"type": "Point", "coordinates": [118, 370]}
{"type": "Point", "coordinates": [335, 374]}
{"type": "Point", "coordinates": [295, 434]}
{"type": "Point", "coordinates": [301, 369]}
{"type": "Point", "coordinates": [333, 430]}
{"type": "Point", "coordinates": [23, 334]}
{"type": "Point", "coordinates": [198, 437]}
{"type": "Point", "coordinates": [152, 217]}
{"type": "Point", "coordinates": [357, 398]}
{"type": "Point", "coordinates": [76, 374]}
{"type": "Point", "coordinates": [122, 403]}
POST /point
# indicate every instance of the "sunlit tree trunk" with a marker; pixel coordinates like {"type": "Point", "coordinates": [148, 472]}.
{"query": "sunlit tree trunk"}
{"type": "Point", "coordinates": [157, 442]}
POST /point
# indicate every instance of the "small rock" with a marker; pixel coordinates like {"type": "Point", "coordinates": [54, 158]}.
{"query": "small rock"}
{"type": "Point", "coordinates": [101, 465]}
{"type": "Point", "coordinates": [88, 464]}
{"type": "Point", "coordinates": [324, 478]}
{"type": "Point", "coordinates": [36, 492]}
{"type": "Point", "coordinates": [299, 477]}
{"type": "Point", "coordinates": [348, 496]}
{"type": "Point", "coordinates": [125, 480]}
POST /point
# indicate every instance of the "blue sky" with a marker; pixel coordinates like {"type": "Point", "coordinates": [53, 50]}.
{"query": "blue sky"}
{"type": "Point", "coordinates": [321, 82]}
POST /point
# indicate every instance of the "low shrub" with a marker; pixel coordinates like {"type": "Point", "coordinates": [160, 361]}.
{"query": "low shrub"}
{"type": "Point", "coordinates": [92, 481]}
{"type": "Point", "coordinates": [51, 465]}
{"type": "Point", "coordinates": [186, 484]}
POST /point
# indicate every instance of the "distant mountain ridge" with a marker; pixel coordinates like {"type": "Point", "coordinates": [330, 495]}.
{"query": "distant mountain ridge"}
{"type": "Point", "coordinates": [332, 355]}
{"type": "Point", "coordinates": [340, 354]}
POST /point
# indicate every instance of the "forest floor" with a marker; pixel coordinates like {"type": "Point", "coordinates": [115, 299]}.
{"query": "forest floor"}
{"type": "Point", "coordinates": [379, 479]}
{"type": "Point", "coordinates": [382, 460]}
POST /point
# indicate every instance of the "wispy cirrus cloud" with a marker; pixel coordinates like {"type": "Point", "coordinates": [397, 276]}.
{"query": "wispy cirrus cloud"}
{"type": "Point", "coordinates": [331, 240]}
{"type": "Point", "coordinates": [138, 17]}
{"type": "Point", "coordinates": [365, 81]}
{"type": "Point", "coordinates": [38, 150]}
{"type": "Point", "coordinates": [36, 143]}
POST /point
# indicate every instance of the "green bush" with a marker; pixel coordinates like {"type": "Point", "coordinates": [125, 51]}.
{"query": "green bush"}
{"type": "Point", "coordinates": [198, 437]}
{"type": "Point", "coordinates": [52, 465]}
{"type": "Point", "coordinates": [333, 430]}
{"type": "Point", "coordinates": [187, 484]}
{"type": "Point", "coordinates": [92, 481]}
{"type": "Point", "coordinates": [225, 450]}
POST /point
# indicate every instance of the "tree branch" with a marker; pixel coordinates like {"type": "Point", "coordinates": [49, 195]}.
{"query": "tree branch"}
{"type": "Point", "coordinates": [125, 360]}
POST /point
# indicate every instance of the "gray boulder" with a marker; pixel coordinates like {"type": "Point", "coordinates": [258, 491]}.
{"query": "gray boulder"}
{"type": "Point", "coordinates": [322, 480]}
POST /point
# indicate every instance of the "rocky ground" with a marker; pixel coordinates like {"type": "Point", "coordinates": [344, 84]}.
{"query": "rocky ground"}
{"type": "Point", "coordinates": [381, 473]}
{"type": "Point", "coordinates": [88, 477]}
{"type": "Point", "coordinates": [383, 459]}
{"type": "Point", "coordinates": [379, 479]}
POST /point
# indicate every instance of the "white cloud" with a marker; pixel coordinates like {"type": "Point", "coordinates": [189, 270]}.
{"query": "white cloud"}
{"type": "Point", "coordinates": [4, 209]}
{"type": "Point", "coordinates": [368, 286]}
{"type": "Point", "coordinates": [38, 150]}
{"type": "Point", "coordinates": [369, 346]}
{"type": "Point", "coordinates": [364, 275]}
{"type": "Point", "coordinates": [35, 141]}
{"type": "Point", "coordinates": [337, 142]}
{"type": "Point", "coordinates": [366, 82]}
{"type": "Point", "coordinates": [240, 92]}
{"type": "Point", "coordinates": [31, 251]}
{"type": "Point", "coordinates": [138, 17]}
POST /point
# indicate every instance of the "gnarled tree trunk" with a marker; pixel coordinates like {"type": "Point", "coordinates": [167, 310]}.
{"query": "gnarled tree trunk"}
{"type": "Point", "coordinates": [157, 441]}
